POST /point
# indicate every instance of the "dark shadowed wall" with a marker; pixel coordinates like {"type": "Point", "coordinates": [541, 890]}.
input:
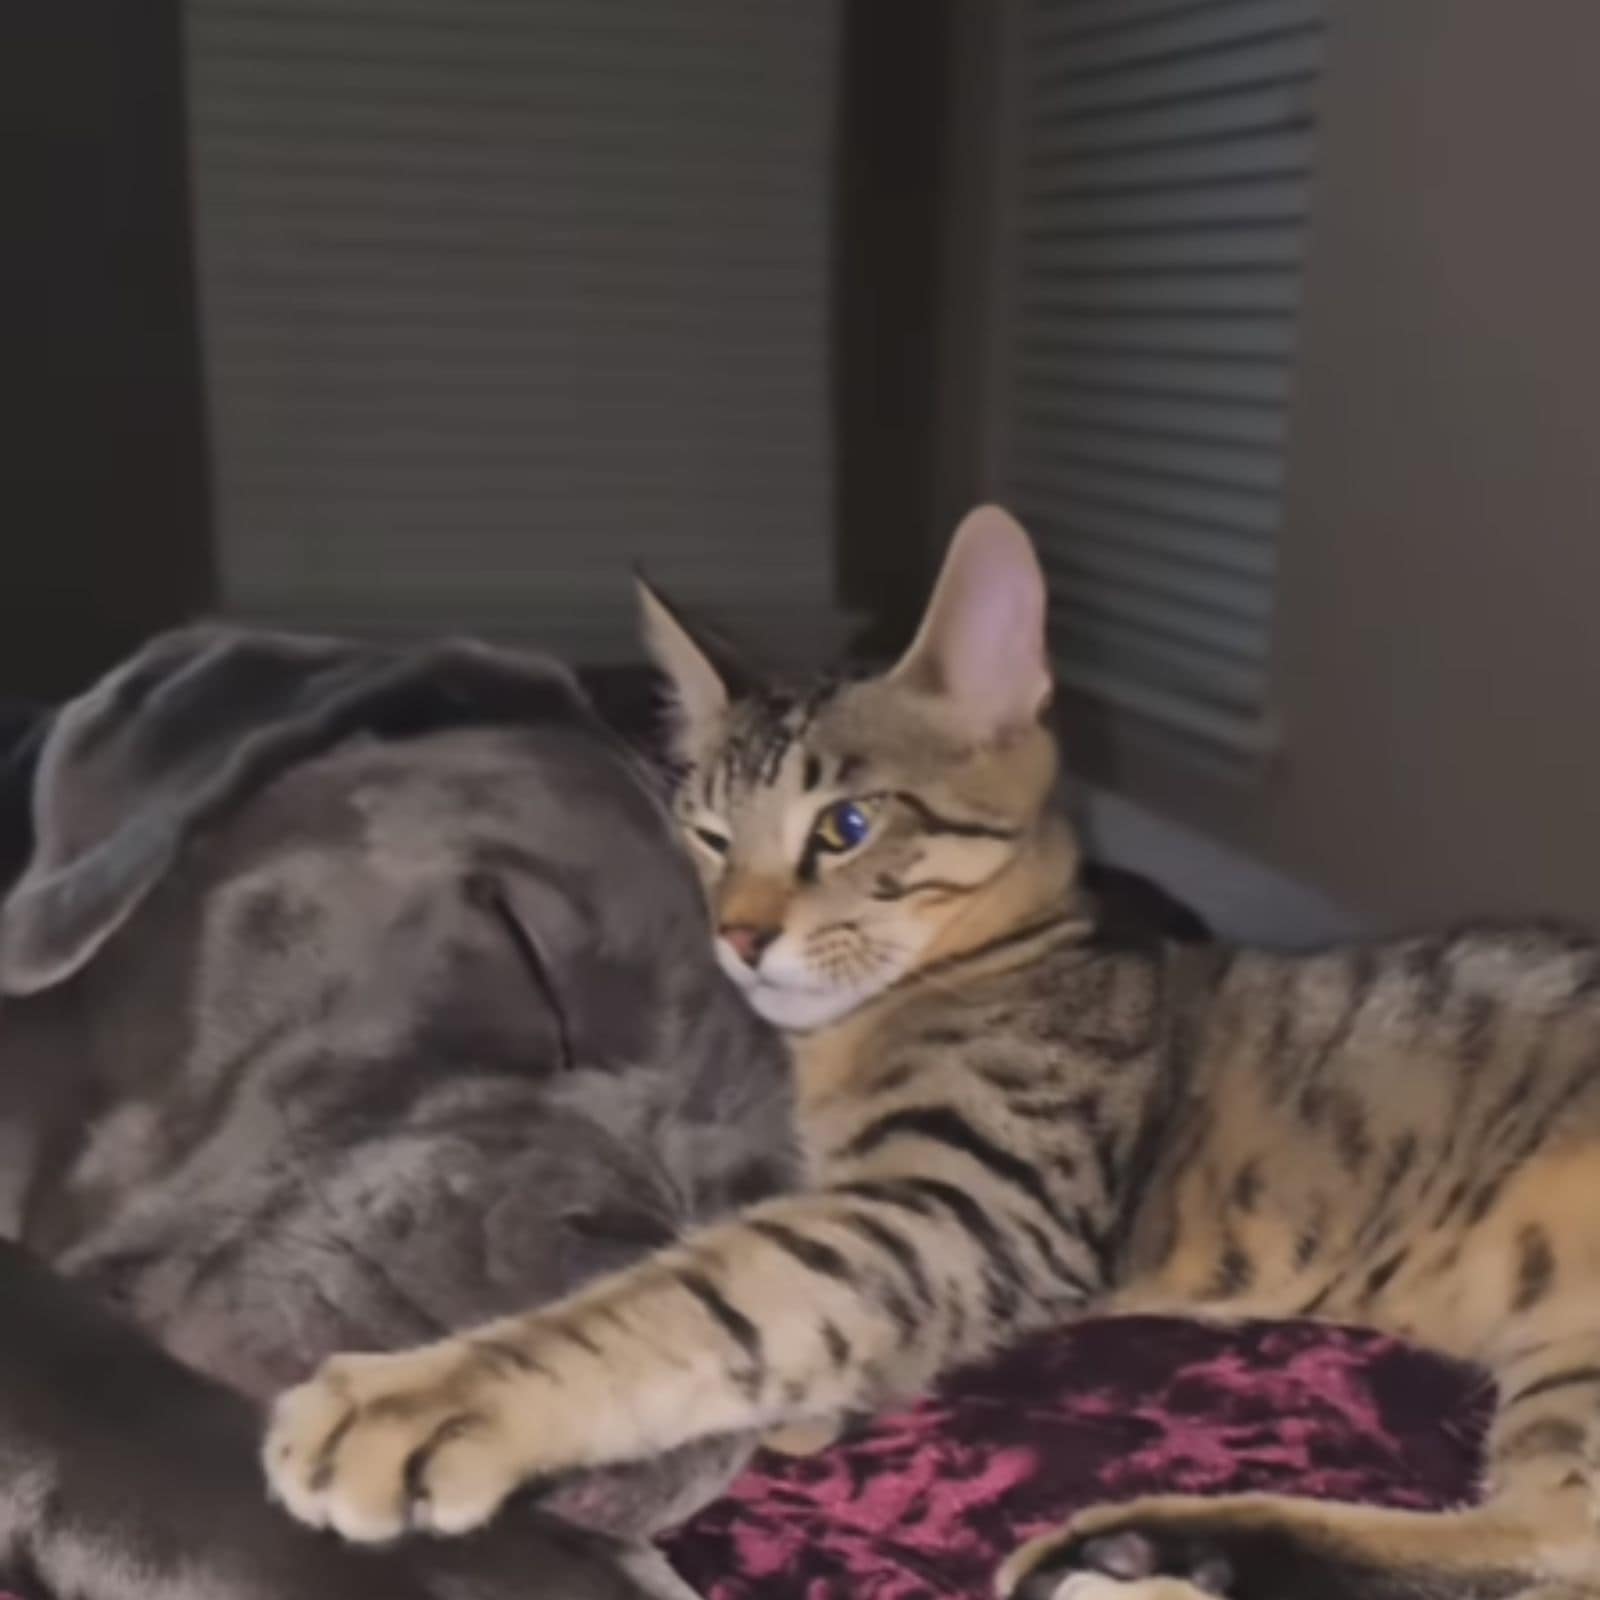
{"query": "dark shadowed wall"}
{"type": "Point", "coordinates": [1437, 646]}
{"type": "Point", "coordinates": [102, 484]}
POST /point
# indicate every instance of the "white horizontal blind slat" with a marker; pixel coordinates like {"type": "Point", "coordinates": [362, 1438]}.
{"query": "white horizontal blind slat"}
{"type": "Point", "coordinates": [1249, 200]}
{"type": "Point", "coordinates": [1253, 63]}
{"type": "Point", "coordinates": [1283, 105]}
{"type": "Point", "coordinates": [1082, 50]}
{"type": "Point", "coordinates": [1070, 520]}
{"type": "Point", "coordinates": [1158, 235]}
{"type": "Point", "coordinates": [1250, 293]}
{"type": "Point", "coordinates": [500, 296]}
{"type": "Point", "coordinates": [1178, 250]}
{"type": "Point", "coordinates": [1163, 661]}
{"type": "Point", "coordinates": [1219, 379]}
{"type": "Point", "coordinates": [1151, 416]}
{"type": "Point", "coordinates": [1214, 161]}
{"type": "Point", "coordinates": [1229, 338]}
{"type": "Point", "coordinates": [1253, 469]}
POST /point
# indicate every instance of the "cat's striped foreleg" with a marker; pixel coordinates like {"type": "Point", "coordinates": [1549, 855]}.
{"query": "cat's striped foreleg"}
{"type": "Point", "coordinates": [811, 1306]}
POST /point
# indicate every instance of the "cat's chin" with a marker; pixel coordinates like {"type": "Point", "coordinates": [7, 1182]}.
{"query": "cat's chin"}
{"type": "Point", "coordinates": [792, 1007]}
{"type": "Point", "coordinates": [800, 1010]}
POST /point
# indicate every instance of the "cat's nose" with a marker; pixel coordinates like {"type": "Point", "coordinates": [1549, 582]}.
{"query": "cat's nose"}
{"type": "Point", "coordinates": [747, 941]}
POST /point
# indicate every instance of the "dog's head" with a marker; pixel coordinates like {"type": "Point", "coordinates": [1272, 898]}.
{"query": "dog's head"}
{"type": "Point", "coordinates": [373, 996]}
{"type": "Point", "coordinates": [181, 735]}
{"type": "Point", "coordinates": [259, 812]}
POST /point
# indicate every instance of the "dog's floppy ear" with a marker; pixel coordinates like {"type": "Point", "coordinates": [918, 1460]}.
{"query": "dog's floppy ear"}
{"type": "Point", "coordinates": [192, 725]}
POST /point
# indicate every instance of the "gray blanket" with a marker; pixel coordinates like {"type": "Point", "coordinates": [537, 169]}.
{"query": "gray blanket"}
{"type": "Point", "coordinates": [350, 996]}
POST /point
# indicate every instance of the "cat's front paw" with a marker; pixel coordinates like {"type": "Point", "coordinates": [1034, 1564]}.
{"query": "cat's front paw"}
{"type": "Point", "coordinates": [378, 1445]}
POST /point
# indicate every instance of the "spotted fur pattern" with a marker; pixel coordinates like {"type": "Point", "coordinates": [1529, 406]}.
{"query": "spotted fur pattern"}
{"type": "Point", "coordinates": [1008, 1126]}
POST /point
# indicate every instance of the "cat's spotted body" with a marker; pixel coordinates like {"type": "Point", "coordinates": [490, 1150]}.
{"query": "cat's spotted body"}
{"type": "Point", "coordinates": [1008, 1126]}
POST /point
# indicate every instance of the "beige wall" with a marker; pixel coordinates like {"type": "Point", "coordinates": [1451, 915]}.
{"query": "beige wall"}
{"type": "Point", "coordinates": [1438, 656]}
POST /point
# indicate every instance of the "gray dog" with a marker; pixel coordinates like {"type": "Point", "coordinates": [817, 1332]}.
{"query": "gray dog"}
{"type": "Point", "coordinates": [350, 996]}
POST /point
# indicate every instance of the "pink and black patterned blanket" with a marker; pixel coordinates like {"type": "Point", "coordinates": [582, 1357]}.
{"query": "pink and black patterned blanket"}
{"type": "Point", "coordinates": [926, 1504]}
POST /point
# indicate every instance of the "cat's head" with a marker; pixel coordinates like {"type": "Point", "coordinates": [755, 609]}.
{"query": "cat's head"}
{"type": "Point", "coordinates": [850, 831]}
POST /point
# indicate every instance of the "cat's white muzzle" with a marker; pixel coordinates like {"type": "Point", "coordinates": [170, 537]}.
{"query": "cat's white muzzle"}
{"type": "Point", "coordinates": [788, 1000]}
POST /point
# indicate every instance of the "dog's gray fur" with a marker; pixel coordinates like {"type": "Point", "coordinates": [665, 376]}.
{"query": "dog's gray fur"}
{"type": "Point", "coordinates": [352, 996]}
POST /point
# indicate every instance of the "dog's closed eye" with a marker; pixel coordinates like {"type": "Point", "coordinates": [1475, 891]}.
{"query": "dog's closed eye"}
{"type": "Point", "coordinates": [489, 896]}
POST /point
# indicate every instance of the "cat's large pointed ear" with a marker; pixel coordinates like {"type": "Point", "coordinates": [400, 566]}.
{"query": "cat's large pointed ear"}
{"type": "Point", "coordinates": [981, 646]}
{"type": "Point", "coordinates": [703, 674]}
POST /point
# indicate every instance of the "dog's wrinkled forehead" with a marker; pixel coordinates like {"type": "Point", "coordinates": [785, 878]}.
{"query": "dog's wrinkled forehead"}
{"type": "Point", "coordinates": [201, 720]}
{"type": "Point", "coordinates": [477, 894]}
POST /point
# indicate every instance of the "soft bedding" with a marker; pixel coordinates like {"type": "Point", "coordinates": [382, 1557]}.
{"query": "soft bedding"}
{"type": "Point", "coordinates": [926, 1503]}
{"type": "Point", "coordinates": [923, 1505]}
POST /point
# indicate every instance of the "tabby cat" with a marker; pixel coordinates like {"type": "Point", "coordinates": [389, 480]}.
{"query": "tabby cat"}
{"type": "Point", "coordinates": [1008, 1126]}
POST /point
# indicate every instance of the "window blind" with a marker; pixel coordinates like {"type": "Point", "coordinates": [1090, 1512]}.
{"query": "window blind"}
{"type": "Point", "coordinates": [501, 296]}
{"type": "Point", "coordinates": [1153, 248]}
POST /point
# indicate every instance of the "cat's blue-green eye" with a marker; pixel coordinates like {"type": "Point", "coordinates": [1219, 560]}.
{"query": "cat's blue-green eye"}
{"type": "Point", "coordinates": [841, 827]}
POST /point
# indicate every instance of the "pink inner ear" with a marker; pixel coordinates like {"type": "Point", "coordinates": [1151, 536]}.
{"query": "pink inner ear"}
{"type": "Point", "coordinates": [698, 689]}
{"type": "Point", "coordinates": [983, 640]}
